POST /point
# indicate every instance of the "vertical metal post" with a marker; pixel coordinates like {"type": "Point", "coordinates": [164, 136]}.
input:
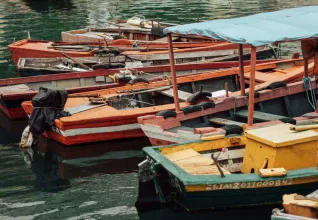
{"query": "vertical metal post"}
{"type": "Point", "coordinates": [226, 86]}
{"type": "Point", "coordinates": [251, 90]}
{"type": "Point", "coordinates": [241, 62]}
{"type": "Point", "coordinates": [173, 74]}
{"type": "Point", "coordinates": [306, 67]}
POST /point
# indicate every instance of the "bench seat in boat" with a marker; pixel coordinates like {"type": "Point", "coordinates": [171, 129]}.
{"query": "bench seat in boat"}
{"type": "Point", "coordinates": [261, 116]}
{"type": "Point", "coordinates": [176, 129]}
{"type": "Point", "coordinates": [194, 163]}
{"type": "Point", "coordinates": [15, 89]}
{"type": "Point", "coordinates": [222, 121]}
{"type": "Point", "coordinates": [182, 95]}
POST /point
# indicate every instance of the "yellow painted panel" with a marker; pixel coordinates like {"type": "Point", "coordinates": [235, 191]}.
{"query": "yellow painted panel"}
{"type": "Point", "coordinates": [297, 156]}
{"type": "Point", "coordinates": [255, 154]}
{"type": "Point", "coordinates": [280, 135]}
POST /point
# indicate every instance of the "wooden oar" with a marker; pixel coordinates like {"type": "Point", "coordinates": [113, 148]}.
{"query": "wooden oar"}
{"type": "Point", "coordinates": [303, 127]}
{"type": "Point", "coordinates": [83, 95]}
{"type": "Point", "coordinates": [75, 61]}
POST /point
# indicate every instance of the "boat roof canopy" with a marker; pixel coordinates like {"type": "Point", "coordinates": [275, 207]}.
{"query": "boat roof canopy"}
{"type": "Point", "coordinates": [259, 29]}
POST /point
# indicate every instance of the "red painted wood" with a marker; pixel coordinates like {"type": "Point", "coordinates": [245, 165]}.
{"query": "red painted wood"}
{"type": "Point", "coordinates": [173, 74]}
{"type": "Point", "coordinates": [105, 72]}
{"type": "Point", "coordinates": [251, 92]}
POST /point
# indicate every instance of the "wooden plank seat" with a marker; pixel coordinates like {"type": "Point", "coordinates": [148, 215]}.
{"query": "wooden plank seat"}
{"type": "Point", "coordinates": [226, 158]}
{"type": "Point", "coordinates": [182, 95]}
{"type": "Point", "coordinates": [223, 121]}
{"type": "Point", "coordinates": [260, 116]}
{"type": "Point", "coordinates": [176, 129]}
{"type": "Point", "coordinates": [262, 77]}
{"type": "Point", "coordinates": [194, 163]}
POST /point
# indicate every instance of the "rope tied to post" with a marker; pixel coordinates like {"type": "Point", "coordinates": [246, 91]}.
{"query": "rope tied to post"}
{"type": "Point", "coordinates": [310, 94]}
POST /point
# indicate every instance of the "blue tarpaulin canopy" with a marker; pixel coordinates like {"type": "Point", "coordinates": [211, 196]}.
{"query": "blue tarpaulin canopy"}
{"type": "Point", "coordinates": [257, 30]}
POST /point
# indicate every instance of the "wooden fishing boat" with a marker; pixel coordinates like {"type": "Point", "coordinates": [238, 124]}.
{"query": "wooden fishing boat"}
{"type": "Point", "coordinates": [157, 132]}
{"type": "Point", "coordinates": [132, 29]}
{"type": "Point", "coordinates": [260, 167]}
{"type": "Point", "coordinates": [297, 207]}
{"type": "Point", "coordinates": [43, 66]}
{"type": "Point", "coordinates": [271, 104]}
{"type": "Point", "coordinates": [14, 91]}
{"type": "Point", "coordinates": [28, 48]}
{"type": "Point", "coordinates": [44, 49]}
{"type": "Point", "coordinates": [116, 118]}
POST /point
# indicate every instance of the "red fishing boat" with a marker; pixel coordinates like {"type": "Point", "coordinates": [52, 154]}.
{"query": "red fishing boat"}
{"type": "Point", "coordinates": [115, 117]}
{"type": "Point", "coordinates": [192, 52]}
{"type": "Point", "coordinates": [14, 91]}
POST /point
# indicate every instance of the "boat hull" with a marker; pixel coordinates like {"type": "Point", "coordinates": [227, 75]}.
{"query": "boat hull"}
{"type": "Point", "coordinates": [240, 197]}
{"type": "Point", "coordinates": [212, 191]}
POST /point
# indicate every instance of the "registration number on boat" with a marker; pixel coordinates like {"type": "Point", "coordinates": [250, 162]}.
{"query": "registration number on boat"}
{"type": "Point", "coordinates": [243, 185]}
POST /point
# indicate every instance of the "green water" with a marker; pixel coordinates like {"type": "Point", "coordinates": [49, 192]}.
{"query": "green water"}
{"type": "Point", "coordinates": [95, 184]}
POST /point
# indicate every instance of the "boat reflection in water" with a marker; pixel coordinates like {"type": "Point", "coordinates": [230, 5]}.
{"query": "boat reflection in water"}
{"type": "Point", "coordinates": [54, 165]}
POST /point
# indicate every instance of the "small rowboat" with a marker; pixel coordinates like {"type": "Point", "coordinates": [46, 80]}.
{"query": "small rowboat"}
{"type": "Point", "coordinates": [255, 168]}
{"type": "Point", "coordinates": [14, 91]}
{"type": "Point", "coordinates": [298, 207]}
{"type": "Point", "coordinates": [44, 66]}
{"type": "Point", "coordinates": [118, 118]}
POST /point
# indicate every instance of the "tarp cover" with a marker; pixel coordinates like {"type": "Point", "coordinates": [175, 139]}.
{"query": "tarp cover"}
{"type": "Point", "coordinates": [257, 30]}
{"type": "Point", "coordinates": [48, 105]}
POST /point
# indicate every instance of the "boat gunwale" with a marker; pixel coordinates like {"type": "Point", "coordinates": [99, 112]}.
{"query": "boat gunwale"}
{"type": "Point", "coordinates": [151, 69]}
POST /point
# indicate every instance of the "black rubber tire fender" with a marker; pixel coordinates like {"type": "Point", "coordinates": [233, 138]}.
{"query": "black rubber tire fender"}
{"type": "Point", "coordinates": [276, 85]}
{"type": "Point", "coordinates": [288, 120]}
{"type": "Point", "coordinates": [196, 108]}
{"type": "Point", "coordinates": [232, 129]}
{"type": "Point", "coordinates": [115, 52]}
{"type": "Point", "coordinates": [167, 114]}
{"type": "Point", "coordinates": [186, 110]}
{"type": "Point", "coordinates": [206, 105]}
{"type": "Point", "coordinates": [117, 65]}
{"type": "Point", "coordinates": [137, 80]}
{"type": "Point", "coordinates": [101, 66]}
{"type": "Point", "coordinates": [198, 95]}
{"type": "Point", "coordinates": [256, 94]}
{"type": "Point", "coordinates": [117, 37]}
{"type": "Point", "coordinates": [104, 51]}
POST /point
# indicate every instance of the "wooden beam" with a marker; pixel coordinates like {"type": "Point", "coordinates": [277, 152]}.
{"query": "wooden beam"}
{"type": "Point", "coordinates": [173, 74]}
{"type": "Point", "coordinates": [252, 84]}
{"type": "Point", "coordinates": [306, 67]}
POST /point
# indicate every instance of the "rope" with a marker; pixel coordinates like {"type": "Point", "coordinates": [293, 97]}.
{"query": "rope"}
{"type": "Point", "coordinates": [310, 94]}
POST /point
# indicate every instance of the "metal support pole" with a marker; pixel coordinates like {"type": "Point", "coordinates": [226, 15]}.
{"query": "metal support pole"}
{"type": "Point", "coordinates": [241, 61]}
{"type": "Point", "coordinates": [173, 74]}
{"type": "Point", "coordinates": [226, 87]}
{"type": "Point", "coordinates": [251, 90]}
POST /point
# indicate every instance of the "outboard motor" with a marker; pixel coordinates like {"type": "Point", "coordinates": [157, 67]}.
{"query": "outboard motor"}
{"type": "Point", "coordinates": [48, 105]}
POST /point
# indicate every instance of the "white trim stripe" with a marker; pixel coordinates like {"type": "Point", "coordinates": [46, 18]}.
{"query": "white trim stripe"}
{"type": "Point", "coordinates": [82, 131]}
